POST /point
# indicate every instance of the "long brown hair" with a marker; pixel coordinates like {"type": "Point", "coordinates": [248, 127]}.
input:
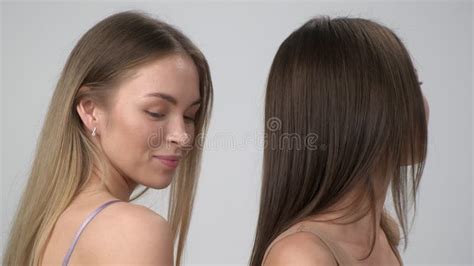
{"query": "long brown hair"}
{"type": "Point", "coordinates": [348, 85]}
{"type": "Point", "coordinates": [104, 56]}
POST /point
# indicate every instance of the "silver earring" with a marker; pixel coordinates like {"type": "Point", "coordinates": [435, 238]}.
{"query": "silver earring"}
{"type": "Point", "coordinates": [93, 131]}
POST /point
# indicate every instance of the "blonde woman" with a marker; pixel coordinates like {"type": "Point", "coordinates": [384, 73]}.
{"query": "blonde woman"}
{"type": "Point", "coordinates": [131, 101]}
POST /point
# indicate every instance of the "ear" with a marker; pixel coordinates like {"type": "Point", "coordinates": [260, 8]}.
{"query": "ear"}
{"type": "Point", "coordinates": [88, 111]}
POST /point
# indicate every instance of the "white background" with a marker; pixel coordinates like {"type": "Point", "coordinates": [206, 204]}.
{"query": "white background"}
{"type": "Point", "coordinates": [240, 40]}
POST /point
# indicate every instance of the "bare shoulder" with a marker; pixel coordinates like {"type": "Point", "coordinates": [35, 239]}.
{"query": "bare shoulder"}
{"type": "Point", "coordinates": [300, 248]}
{"type": "Point", "coordinates": [128, 233]}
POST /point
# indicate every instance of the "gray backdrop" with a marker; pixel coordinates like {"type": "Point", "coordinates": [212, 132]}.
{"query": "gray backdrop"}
{"type": "Point", "coordinates": [240, 40]}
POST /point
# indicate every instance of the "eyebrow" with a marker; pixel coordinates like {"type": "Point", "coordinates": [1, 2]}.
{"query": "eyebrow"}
{"type": "Point", "coordinates": [169, 98]}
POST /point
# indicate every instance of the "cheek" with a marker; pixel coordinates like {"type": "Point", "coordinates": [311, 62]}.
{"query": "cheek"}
{"type": "Point", "coordinates": [190, 131]}
{"type": "Point", "coordinates": [126, 140]}
{"type": "Point", "coordinates": [155, 136]}
{"type": "Point", "coordinates": [133, 130]}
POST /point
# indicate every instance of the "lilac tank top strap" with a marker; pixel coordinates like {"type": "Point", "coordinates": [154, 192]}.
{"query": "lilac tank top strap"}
{"type": "Point", "coordinates": [83, 225]}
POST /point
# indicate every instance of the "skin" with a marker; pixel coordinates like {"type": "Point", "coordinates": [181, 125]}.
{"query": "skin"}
{"type": "Point", "coordinates": [427, 108]}
{"type": "Point", "coordinates": [156, 106]}
{"type": "Point", "coordinates": [304, 248]}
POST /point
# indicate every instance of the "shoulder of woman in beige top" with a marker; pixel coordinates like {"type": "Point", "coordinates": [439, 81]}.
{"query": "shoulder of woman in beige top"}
{"type": "Point", "coordinates": [299, 248]}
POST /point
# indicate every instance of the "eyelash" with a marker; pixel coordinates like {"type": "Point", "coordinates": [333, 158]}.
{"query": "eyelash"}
{"type": "Point", "coordinates": [155, 115]}
{"type": "Point", "coordinates": [189, 119]}
{"type": "Point", "coordinates": [160, 115]}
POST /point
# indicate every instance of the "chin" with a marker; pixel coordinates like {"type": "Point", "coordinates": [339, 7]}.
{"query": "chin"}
{"type": "Point", "coordinates": [160, 181]}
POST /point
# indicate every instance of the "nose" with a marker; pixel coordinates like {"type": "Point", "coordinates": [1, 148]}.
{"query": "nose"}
{"type": "Point", "coordinates": [177, 132]}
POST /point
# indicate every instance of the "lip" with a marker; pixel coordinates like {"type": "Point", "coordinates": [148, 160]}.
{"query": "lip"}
{"type": "Point", "coordinates": [171, 161]}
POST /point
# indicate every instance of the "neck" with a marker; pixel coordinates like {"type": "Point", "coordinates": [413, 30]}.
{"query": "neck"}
{"type": "Point", "coordinates": [352, 230]}
{"type": "Point", "coordinates": [114, 185]}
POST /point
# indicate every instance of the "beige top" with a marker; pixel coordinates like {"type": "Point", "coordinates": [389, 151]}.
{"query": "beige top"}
{"type": "Point", "coordinates": [342, 258]}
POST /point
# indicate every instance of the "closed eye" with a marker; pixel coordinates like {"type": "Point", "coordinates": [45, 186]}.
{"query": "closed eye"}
{"type": "Point", "coordinates": [155, 115]}
{"type": "Point", "coordinates": [189, 119]}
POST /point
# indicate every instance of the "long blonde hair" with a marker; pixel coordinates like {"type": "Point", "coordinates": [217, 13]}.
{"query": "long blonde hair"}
{"type": "Point", "coordinates": [65, 156]}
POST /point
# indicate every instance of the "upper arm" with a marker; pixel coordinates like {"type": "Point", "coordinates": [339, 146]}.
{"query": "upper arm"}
{"type": "Point", "coordinates": [136, 235]}
{"type": "Point", "coordinates": [300, 248]}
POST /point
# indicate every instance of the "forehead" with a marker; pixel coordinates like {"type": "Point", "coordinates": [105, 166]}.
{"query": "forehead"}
{"type": "Point", "coordinates": [174, 74]}
{"type": "Point", "coordinates": [173, 62]}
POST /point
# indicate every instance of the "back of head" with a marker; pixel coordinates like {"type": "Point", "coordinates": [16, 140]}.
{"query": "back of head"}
{"type": "Point", "coordinates": [349, 113]}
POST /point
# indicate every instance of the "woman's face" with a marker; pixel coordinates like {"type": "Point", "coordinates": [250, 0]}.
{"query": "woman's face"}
{"type": "Point", "coordinates": [150, 124]}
